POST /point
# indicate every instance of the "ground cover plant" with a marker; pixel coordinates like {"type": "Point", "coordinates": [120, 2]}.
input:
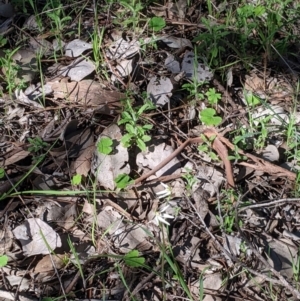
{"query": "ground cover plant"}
{"type": "Point", "coordinates": [149, 150]}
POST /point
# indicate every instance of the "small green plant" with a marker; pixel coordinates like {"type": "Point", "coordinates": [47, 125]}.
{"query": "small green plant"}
{"type": "Point", "coordinates": [228, 215]}
{"type": "Point", "coordinates": [207, 116]}
{"type": "Point", "coordinates": [76, 179]}
{"type": "Point", "coordinates": [123, 180]}
{"type": "Point", "coordinates": [136, 134]}
{"type": "Point", "coordinates": [104, 146]}
{"type": "Point", "coordinates": [206, 147]}
{"type": "Point", "coordinates": [194, 90]}
{"type": "Point", "coordinates": [212, 42]}
{"type": "Point", "coordinates": [296, 265]}
{"type": "Point", "coordinates": [252, 100]}
{"type": "Point", "coordinates": [134, 7]}
{"type": "Point", "coordinates": [2, 172]}
{"type": "Point", "coordinates": [157, 23]}
{"type": "Point", "coordinates": [3, 41]}
{"type": "Point", "coordinates": [57, 16]}
{"type": "Point", "coordinates": [190, 180]}
{"type": "Point", "coordinates": [37, 145]}
{"type": "Point", "coordinates": [133, 259]}
{"type": "Point", "coordinates": [212, 96]}
{"type": "Point", "coordinates": [10, 71]}
{"type": "Point", "coordinates": [3, 261]}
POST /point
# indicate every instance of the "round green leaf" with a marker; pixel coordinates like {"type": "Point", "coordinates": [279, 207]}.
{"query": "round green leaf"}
{"type": "Point", "coordinates": [3, 261]}
{"type": "Point", "coordinates": [104, 146]}
{"type": "Point", "coordinates": [157, 23]}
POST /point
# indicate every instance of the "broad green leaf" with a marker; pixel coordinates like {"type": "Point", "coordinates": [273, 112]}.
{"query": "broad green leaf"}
{"type": "Point", "coordinates": [130, 129]}
{"type": "Point", "coordinates": [124, 120]}
{"type": "Point", "coordinates": [2, 172]}
{"type": "Point", "coordinates": [3, 261]}
{"type": "Point", "coordinates": [252, 100]}
{"type": "Point", "coordinates": [132, 259]}
{"type": "Point", "coordinates": [126, 140]}
{"type": "Point", "coordinates": [207, 116]}
{"type": "Point", "coordinates": [203, 148]}
{"type": "Point", "coordinates": [126, 115]}
{"type": "Point", "coordinates": [147, 126]}
{"type": "Point", "coordinates": [157, 23]}
{"type": "Point", "coordinates": [143, 108]}
{"type": "Point", "coordinates": [123, 180]}
{"type": "Point", "coordinates": [146, 138]}
{"type": "Point", "coordinates": [76, 179]}
{"type": "Point", "coordinates": [104, 146]}
{"type": "Point", "coordinates": [141, 144]}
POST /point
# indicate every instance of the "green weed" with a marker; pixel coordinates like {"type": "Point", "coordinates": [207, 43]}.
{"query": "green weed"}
{"type": "Point", "coordinates": [10, 71]}
{"type": "Point", "coordinates": [3, 261]}
{"type": "Point", "coordinates": [208, 117]}
{"type": "Point", "coordinates": [190, 180]}
{"type": "Point", "coordinates": [104, 146]}
{"type": "Point", "coordinates": [135, 133]}
{"type": "Point", "coordinates": [37, 145]}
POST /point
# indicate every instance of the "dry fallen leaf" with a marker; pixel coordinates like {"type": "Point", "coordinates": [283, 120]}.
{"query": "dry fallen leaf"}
{"type": "Point", "coordinates": [78, 69]}
{"type": "Point", "coordinates": [82, 164]}
{"type": "Point", "coordinates": [107, 167]}
{"type": "Point", "coordinates": [153, 156]}
{"type": "Point", "coordinates": [201, 73]}
{"type": "Point", "coordinates": [36, 237]}
{"type": "Point", "coordinates": [160, 90]}
{"type": "Point", "coordinates": [86, 92]}
{"type": "Point", "coordinates": [77, 47]}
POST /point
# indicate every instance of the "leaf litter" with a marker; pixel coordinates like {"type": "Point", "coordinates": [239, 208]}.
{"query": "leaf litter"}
{"type": "Point", "coordinates": [207, 210]}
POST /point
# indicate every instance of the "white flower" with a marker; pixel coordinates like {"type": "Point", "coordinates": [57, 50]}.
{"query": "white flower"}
{"type": "Point", "coordinates": [164, 193]}
{"type": "Point", "coordinates": [161, 216]}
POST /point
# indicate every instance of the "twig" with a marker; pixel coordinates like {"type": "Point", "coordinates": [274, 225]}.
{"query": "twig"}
{"type": "Point", "coordinates": [260, 164]}
{"type": "Point", "coordinates": [283, 281]}
{"type": "Point", "coordinates": [217, 146]}
{"type": "Point", "coordinates": [168, 159]}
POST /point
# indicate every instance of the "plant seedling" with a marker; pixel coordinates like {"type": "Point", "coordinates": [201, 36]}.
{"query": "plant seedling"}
{"type": "Point", "coordinates": [104, 146]}
{"type": "Point", "coordinates": [133, 259]}
{"type": "Point", "coordinates": [157, 23]}
{"type": "Point", "coordinates": [37, 144]}
{"type": "Point", "coordinates": [123, 180]}
{"type": "Point", "coordinates": [76, 179]}
{"type": "Point", "coordinates": [207, 116]}
{"type": "Point", "coordinates": [135, 133]}
{"type": "Point", "coordinates": [213, 96]}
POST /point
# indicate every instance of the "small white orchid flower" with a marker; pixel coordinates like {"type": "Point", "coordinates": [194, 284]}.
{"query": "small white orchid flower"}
{"type": "Point", "coordinates": [164, 193]}
{"type": "Point", "coordinates": [161, 216]}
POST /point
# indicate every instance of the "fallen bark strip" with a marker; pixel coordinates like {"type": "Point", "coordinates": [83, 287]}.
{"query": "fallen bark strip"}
{"type": "Point", "coordinates": [260, 164]}
{"type": "Point", "coordinates": [217, 146]}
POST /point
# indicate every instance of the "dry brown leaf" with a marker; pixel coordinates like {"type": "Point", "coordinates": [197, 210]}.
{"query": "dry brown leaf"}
{"type": "Point", "coordinates": [86, 92]}
{"type": "Point", "coordinates": [46, 263]}
{"type": "Point", "coordinates": [16, 155]}
{"type": "Point", "coordinates": [82, 164]}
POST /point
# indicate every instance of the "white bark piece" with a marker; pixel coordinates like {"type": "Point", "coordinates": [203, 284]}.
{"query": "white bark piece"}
{"type": "Point", "coordinates": [152, 157]}
{"type": "Point", "coordinates": [124, 69]}
{"type": "Point", "coordinates": [36, 237]}
{"type": "Point", "coordinates": [122, 49]}
{"type": "Point", "coordinates": [77, 47]}
{"type": "Point", "coordinates": [171, 64]}
{"type": "Point", "coordinates": [160, 90]}
{"type": "Point", "coordinates": [79, 69]}
{"type": "Point", "coordinates": [174, 42]}
{"type": "Point", "coordinates": [193, 69]}
{"type": "Point", "coordinates": [270, 153]}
